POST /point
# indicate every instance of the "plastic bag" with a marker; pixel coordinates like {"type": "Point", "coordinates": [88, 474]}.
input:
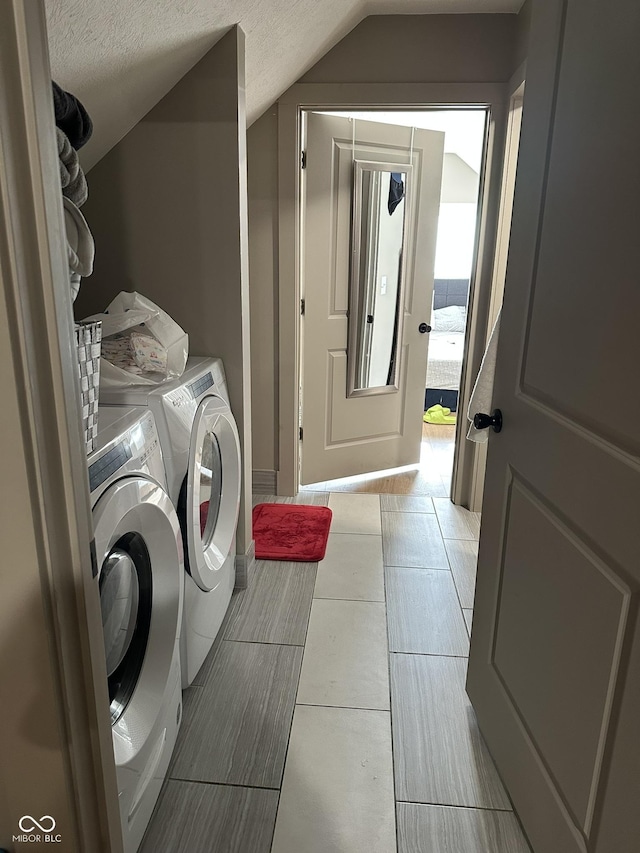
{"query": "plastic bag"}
{"type": "Point", "coordinates": [141, 344]}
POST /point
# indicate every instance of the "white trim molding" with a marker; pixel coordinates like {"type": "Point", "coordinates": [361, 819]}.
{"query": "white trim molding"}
{"type": "Point", "coordinates": [245, 564]}
{"type": "Point", "coordinates": [264, 482]}
{"type": "Point", "coordinates": [56, 735]}
{"type": "Point", "coordinates": [303, 96]}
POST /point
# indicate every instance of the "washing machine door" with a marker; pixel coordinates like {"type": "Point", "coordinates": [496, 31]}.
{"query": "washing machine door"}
{"type": "Point", "coordinates": [213, 492]}
{"type": "Point", "coordinates": [140, 559]}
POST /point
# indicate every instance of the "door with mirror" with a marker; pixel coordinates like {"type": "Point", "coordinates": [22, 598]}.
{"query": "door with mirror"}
{"type": "Point", "coordinates": [376, 285]}
{"type": "Point", "coordinates": [371, 196]}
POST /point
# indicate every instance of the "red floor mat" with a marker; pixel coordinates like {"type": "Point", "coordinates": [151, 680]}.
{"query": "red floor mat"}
{"type": "Point", "coordinates": [293, 532]}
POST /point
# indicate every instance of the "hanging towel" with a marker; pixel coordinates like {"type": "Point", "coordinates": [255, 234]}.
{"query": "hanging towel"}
{"type": "Point", "coordinates": [80, 246]}
{"type": "Point", "coordinates": [396, 191]}
{"type": "Point", "coordinates": [482, 395]}
{"type": "Point", "coordinates": [71, 117]}
{"type": "Point", "coordinates": [74, 184]}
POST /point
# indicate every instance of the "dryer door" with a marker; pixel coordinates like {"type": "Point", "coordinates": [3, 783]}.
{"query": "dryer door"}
{"type": "Point", "coordinates": [213, 492]}
{"type": "Point", "coordinates": [139, 551]}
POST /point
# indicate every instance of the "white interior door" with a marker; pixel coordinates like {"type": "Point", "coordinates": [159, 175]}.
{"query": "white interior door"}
{"type": "Point", "coordinates": [344, 434]}
{"type": "Point", "coordinates": [554, 671]}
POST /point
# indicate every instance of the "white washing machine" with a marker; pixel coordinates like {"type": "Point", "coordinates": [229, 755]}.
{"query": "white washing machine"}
{"type": "Point", "coordinates": [140, 576]}
{"type": "Point", "coordinates": [201, 451]}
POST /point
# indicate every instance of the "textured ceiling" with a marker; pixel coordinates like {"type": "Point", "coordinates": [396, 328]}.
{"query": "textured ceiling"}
{"type": "Point", "coordinates": [121, 56]}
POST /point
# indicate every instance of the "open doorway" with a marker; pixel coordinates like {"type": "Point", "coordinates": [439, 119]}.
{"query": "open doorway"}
{"type": "Point", "coordinates": [445, 315]}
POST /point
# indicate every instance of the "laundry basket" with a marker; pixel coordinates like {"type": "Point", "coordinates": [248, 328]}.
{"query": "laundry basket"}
{"type": "Point", "coordinates": [88, 336]}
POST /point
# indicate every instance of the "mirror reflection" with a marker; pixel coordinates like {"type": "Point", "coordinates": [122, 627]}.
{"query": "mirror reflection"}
{"type": "Point", "coordinates": [376, 291]}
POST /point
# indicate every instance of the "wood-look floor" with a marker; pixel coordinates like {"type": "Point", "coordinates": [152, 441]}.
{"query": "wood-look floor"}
{"type": "Point", "coordinates": [203, 817]}
{"type": "Point", "coordinates": [413, 539]}
{"type": "Point", "coordinates": [275, 606]}
{"type": "Point", "coordinates": [430, 478]}
{"type": "Point", "coordinates": [440, 756]}
{"type": "Point", "coordinates": [236, 727]}
{"type": "Point", "coordinates": [423, 613]}
{"type": "Point", "coordinates": [424, 828]}
{"type": "Point", "coordinates": [286, 742]}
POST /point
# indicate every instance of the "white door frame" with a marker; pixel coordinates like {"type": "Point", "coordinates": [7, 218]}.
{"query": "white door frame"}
{"type": "Point", "coordinates": [56, 733]}
{"type": "Point", "coordinates": [475, 474]}
{"type": "Point", "coordinates": [406, 96]}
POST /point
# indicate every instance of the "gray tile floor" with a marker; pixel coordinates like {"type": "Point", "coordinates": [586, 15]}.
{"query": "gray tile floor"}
{"type": "Point", "coordinates": [331, 716]}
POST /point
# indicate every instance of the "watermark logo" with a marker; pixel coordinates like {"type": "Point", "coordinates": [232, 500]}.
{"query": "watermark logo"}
{"type": "Point", "coordinates": [45, 824]}
{"type": "Point", "coordinates": [37, 830]}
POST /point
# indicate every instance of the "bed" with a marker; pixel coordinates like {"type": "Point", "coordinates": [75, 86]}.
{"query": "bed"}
{"type": "Point", "coordinates": [446, 342]}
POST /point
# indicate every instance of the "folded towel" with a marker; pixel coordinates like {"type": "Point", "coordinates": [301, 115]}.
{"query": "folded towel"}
{"type": "Point", "coordinates": [74, 184]}
{"type": "Point", "coordinates": [80, 245]}
{"type": "Point", "coordinates": [482, 395]}
{"type": "Point", "coordinates": [438, 416]}
{"type": "Point", "coordinates": [71, 117]}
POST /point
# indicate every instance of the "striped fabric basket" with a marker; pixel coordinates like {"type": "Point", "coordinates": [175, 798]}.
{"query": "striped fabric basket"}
{"type": "Point", "coordinates": [88, 337]}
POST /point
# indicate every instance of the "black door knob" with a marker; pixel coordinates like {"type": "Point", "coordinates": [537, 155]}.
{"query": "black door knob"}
{"type": "Point", "coordinates": [369, 318]}
{"type": "Point", "coordinates": [424, 327]}
{"type": "Point", "coordinates": [483, 421]}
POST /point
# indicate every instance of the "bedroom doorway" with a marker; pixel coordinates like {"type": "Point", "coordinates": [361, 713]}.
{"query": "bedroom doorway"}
{"type": "Point", "coordinates": [464, 133]}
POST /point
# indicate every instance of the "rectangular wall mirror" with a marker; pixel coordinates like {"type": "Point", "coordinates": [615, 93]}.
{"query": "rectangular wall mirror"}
{"type": "Point", "coordinates": [380, 226]}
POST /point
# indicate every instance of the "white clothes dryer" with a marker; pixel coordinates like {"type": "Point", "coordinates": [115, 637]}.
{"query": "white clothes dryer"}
{"type": "Point", "coordinates": [140, 570]}
{"type": "Point", "coordinates": [201, 452]}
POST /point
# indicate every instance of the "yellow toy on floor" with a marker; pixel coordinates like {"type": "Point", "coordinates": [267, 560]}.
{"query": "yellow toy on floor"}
{"type": "Point", "coordinates": [438, 415]}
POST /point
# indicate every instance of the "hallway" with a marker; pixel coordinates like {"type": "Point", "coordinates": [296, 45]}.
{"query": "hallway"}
{"type": "Point", "coordinates": [331, 714]}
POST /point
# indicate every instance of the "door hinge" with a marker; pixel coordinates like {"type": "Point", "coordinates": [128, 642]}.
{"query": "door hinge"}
{"type": "Point", "coordinates": [303, 160]}
{"type": "Point", "coordinates": [302, 306]}
{"type": "Point", "coordinates": [300, 433]}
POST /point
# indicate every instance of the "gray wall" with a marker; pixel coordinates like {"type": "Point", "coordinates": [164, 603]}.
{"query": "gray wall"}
{"type": "Point", "coordinates": [382, 49]}
{"type": "Point", "coordinates": [522, 34]}
{"type": "Point", "coordinates": [167, 208]}
{"type": "Point", "coordinates": [421, 48]}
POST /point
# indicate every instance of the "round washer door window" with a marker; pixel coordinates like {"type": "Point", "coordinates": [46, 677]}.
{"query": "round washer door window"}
{"type": "Point", "coordinates": [119, 592]}
{"type": "Point", "coordinates": [212, 492]}
{"type": "Point", "coordinates": [210, 487]}
{"type": "Point", "coordinates": [141, 588]}
{"type": "Point", "coordinates": [125, 601]}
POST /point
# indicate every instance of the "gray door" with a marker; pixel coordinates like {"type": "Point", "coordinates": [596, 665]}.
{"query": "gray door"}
{"type": "Point", "coordinates": [554, 672]}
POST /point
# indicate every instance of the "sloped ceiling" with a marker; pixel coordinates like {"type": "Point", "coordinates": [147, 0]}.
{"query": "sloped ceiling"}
{"type": "Point", "coordinates": [121, 56]}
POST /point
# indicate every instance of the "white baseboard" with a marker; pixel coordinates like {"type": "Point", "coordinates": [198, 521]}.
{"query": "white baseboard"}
{"type": "Point", "coordinates": [245, 564]}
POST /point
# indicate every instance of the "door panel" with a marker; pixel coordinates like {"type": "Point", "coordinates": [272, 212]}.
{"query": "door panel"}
{"type": "Point", "coordinates": [575, 652]}
{"type": "Point", "coordinates": [554, 670]}
{"type": "Point", "coordinates": [378, 420]}
{"type": "Point", "coordinates": [352, 435]}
